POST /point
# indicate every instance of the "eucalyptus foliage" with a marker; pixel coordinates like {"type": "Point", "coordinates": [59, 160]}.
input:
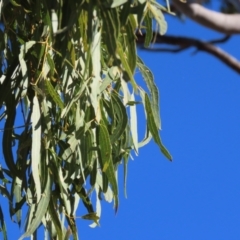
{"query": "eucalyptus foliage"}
{"type": "Point", "coordinates": [68, 105]}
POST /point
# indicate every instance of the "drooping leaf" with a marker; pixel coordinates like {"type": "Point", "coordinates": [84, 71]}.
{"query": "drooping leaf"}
{"type": "Point", "coordinates": [133, 124]}
{"type": "Point", "coordinates": [148, 77]}
{"type": "Point", "coordinates": [68, 83]}
{"type": "Point", "coordinates": [105, 150]}
{"type": "Point", "coordinates": [149, 31]}
{"type": "Point", "coordinates": [126, 65]}
{"type": "Point", "coordinates": [39, 209]}
{"type": "Point", "coordinates": [158, 16]}
{"type": "Point", "coordinates": [3, 225]}
{"type": "Point", "coordinates": [153, 128]}
{"type": "Point", "coordinates": [91, 216]}
{"type": "Point", "coordinates": [121, 118]}
{"type": "Point", "coordinates": [36, 146]}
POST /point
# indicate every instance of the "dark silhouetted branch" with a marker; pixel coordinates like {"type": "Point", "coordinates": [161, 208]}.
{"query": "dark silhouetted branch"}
{"type": "Point", "coordinates": [183, 43]}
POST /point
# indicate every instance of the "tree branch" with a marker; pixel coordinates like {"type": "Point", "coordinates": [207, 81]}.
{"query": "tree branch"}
{"type": "Point", "coordinates": [185, 42]}
{"type": "Point", "coordinates": [221, 22]}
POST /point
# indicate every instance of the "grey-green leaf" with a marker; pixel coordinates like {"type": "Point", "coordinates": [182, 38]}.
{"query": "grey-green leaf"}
{"type": "Point", "coordinates": [36, 145]}
{"type": "Point", "coordinates": [153, 128]}
{"type": "Point", "coordinates": [40, 209]}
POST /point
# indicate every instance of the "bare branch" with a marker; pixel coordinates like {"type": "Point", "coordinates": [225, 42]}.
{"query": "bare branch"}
{"type": "Point", "coordinates": [185, 42]}
{"type": "Point", "coordinates": [221, 22]}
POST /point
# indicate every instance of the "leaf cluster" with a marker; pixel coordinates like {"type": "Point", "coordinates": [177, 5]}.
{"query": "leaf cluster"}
{"type": "Point", "coordinates": [68, 80]}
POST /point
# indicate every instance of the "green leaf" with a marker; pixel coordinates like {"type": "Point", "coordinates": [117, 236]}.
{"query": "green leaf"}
{"type": "Point", "coordinates": [148, 78]}
{"type": "Point", "coordinates": [16, 193]}
{"type": "Point", "coordinates": [39, 209]}
{"type": "Point", "coordinates": [3, 225]}
{"type": "Point", "coordinates": [52, 92]}
{"type": "Point", "coordinates": [159, 17]}
{"type": "Point", "coordinates": [91, 216]}
{"type": "Point", "coordinates": [117, 3]}
{"type": "Point", "coordinates": [14, 3]}
{"type": "Point", "coordinates": [51, 64]}
{"type": "Point", "coordinates": [149, 31]}
{"type": "Point", "coordinates": [125, 162]}
{"type": "Point", "coordinates": [55, 218]}
{"type": "Point", "coordinates": [111, 24]}
{"type": "Point", "coordinates": [36, 146]}
{"type": "Point", "coordinates": [106, 156]}
{"type": "Point", "coordinates": [153, 128]}
{"type": "Point", "coordinates": [121, 118]}
{"type": "Point", "coordinates": [24, 49]}
{"type": "Point", "coordinates": [125, 12]}
{"type": "Point", "coordinates": [125, 64]}
{"type": "Point", "coordinates": [105, 146]}
{"type": "Point", "coordinates": [131, 46]}
{"type": "Point", "coordinates": [133, 124]}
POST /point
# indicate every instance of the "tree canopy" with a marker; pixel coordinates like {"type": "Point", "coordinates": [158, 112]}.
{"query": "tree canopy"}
{"type": "Point", "coordinates": [68, 104]}
{"type": "Point", "coordinates": [68, 99]}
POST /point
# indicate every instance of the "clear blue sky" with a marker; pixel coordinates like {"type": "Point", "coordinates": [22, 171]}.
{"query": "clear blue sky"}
{"type": "Point", "coordinates": [197, 196]}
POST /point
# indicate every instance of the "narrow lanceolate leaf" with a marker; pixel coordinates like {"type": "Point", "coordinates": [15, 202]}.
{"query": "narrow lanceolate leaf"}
{"type": "Point", "coordinates": [105, 146]}
{"type": "Point", "coordinates": [111, 24]}
{"type": "Point", "coordinates": [149, 31]}
{"type": "Point", "coordinates": [55, 219]}
{"type": "Point", "coordinates": [52, 92]}
{"type": "Point", "coordinates": [153, 128]}
{"type": "Point", "coordinates": [159, 17]}
{"type": "Point", "coordinates": [126, 64]}
{"type": "Point", "coordinates": [3, 225]}
{"type": "Point", "coordinates": [125, 162]}
{"type": "Point", "coordinates": [98, 208]}
{"type": "Point", "coordinates": [96, 63]}
{"type": "Point", "coordinates": [40, 209]}
{"type": "Point", "coordinates": [91, 216]}
{"type": "Point", "coordinates": [121, 118]}
{"type": "Point", "coordinates": [116, 3]}
{"type": "Point", "coordinates": [51, 64]}
{"type": "Point", "coordinates": [16, 192]}
{"type": "Point", "coordinates": [133, 124]}
{"type": "Point", "coordinates": [148, 77]}
{"type": "Point", "coordinates": [36, 146]}
{"type": "Point", "coordinates": [24, 49]}
{"type": "Point", "coordinates": [14, 3]}
{"type": "Point", "coordinates": [131, 46]}
{"type": "Point", "coordinates": [106, 156]}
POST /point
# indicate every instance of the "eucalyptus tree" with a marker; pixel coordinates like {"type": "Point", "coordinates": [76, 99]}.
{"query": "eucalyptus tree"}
{"type": "Point", "coordinates": [68, 101]}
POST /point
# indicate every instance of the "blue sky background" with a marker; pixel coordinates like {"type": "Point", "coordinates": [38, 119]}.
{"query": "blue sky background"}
{"type": "Point", "coordinates": [197, 196]}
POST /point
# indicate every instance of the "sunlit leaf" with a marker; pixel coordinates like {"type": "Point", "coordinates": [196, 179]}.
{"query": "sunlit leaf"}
{"type": "Point", "coordinates": [133, 124]}
{"type": "Point", "coordinates": [36, 146]}
{"type": "Point", "coordinates": [39, 209]}
{"type": "Point", "coordinates": [105, 149]}
{"type": "Point", "coordinates": [153, 128]}
{"type": "Point", "coordinates": [69, 118]}
{"type": "Point", "coordinates": [158, 16]}
{"type": "Point", "coordinates": [148, 77]}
